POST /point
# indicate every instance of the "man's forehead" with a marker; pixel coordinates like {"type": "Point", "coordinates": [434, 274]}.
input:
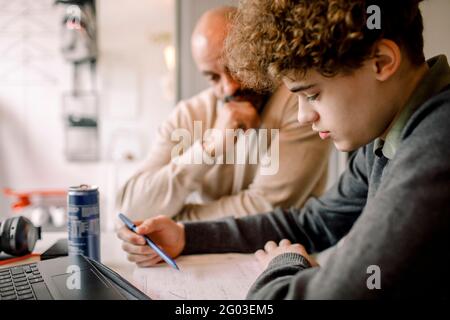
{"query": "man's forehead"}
{"type": "Point", "coordinates": [211, 64]}
{"type": "Point", "coordinates": [200, 41]}
{"type": "Point", "coordinates": [207, 52]}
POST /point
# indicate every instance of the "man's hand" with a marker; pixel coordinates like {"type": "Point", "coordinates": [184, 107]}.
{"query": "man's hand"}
{"type": "Point", "coordinates": [238, 114]}
{"type": "Point", "coordinates": [165, 232]}
{"type": "Point", "coordinates": [271, 250]}
{"type": "Point", "coordinates": [233, 115]}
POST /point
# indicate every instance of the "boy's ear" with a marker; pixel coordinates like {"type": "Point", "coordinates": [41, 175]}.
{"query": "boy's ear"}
{"type": "Point", "coordinates": [387, 59]}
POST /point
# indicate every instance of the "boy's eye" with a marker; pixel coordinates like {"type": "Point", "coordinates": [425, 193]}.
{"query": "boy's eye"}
{"type": "Point", "coordinates": [312, 98]}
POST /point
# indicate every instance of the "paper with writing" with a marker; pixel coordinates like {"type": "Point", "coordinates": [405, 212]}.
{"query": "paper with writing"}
{"type": "Point", "coordinates": [201, 277]}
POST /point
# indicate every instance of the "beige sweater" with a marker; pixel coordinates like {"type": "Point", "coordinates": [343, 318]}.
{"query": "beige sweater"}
{"type": "Point", "coordinates": [209, 191]}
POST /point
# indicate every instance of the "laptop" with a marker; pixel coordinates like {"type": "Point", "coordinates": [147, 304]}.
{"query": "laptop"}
{"type": "Point", "coordinates": [65, 278]}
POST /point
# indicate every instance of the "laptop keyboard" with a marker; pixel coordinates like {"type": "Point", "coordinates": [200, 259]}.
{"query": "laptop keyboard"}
{"type": "Point", "coordinates": [20, 283]}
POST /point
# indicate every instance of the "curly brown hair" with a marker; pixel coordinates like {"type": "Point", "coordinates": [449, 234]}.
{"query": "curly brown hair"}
{"type": "Point", "coordinates": [270, 38]}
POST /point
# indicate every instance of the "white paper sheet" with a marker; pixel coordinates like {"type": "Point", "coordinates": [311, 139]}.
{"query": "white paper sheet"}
{"type": "Point", "coordinates": [201, 277]}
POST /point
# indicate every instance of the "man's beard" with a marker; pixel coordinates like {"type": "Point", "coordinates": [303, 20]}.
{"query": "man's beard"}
{"type": "Point", "coordinates": [258, 100]}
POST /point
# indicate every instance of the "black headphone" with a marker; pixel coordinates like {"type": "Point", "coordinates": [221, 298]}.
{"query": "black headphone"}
{"type": "Point", "coordinates": [18, 236]}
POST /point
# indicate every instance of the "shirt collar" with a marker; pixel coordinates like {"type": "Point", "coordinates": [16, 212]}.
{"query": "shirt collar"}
{"type": "Point", "coordinates": [435, 80]}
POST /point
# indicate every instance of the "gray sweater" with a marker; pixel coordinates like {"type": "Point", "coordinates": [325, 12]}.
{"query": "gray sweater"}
{"type": "Point", "coordinates": [393, 211]}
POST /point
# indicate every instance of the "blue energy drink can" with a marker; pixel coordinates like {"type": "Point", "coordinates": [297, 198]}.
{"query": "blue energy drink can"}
{"type": "Point", "coordinates": [83, 221]}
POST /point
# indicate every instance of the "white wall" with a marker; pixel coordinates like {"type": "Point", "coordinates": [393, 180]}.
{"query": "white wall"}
{"type": "Point", "coordinates": [33, 77]}
{"type": "Point", "coordinates": [436, 15]}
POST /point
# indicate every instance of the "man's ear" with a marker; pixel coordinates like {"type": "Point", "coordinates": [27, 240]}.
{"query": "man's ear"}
{"type": "Point", "coordinates": [387, 59]}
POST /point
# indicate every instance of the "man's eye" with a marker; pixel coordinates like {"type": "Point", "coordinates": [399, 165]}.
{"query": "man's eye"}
{"type": "Point", "coordinates": [312, 98]}
{"type": "Point", "coordinates": [214, 78]}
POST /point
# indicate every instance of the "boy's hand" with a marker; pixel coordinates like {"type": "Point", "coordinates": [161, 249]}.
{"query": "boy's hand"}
{"type": "Point", "coordinates": [165, 232]}
{"type": "Point", "coordinates": [271, 250]}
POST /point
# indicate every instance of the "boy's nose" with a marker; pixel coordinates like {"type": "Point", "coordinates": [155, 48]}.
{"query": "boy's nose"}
{"type": "Point", "coordinates": [306, 114]}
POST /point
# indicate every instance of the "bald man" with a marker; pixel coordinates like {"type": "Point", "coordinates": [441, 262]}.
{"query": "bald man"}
{"type": "Point", "coordinates": [174, 185]}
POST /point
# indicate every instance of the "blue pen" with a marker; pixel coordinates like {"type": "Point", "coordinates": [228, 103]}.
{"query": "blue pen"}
{"type": "Point", "coordinates": [130, 225]}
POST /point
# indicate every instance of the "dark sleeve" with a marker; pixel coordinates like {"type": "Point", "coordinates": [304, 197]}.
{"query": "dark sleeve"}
{"type": "Point", "coordinates": [273, 280]}
{"type": "Point", "coordinates": [403, 235]}
{"type": "Point", "coordinates": [320, 224]}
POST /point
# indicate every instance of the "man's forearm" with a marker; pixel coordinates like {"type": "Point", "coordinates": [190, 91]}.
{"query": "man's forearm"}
{"type": "Point", "coordinates": [242, 204]}
{"type": "Point", "coordinates": [163, 189]}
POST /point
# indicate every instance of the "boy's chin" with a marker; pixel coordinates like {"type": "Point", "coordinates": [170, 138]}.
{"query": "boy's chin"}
{"type": "Point", "coordinates": [346, 145]}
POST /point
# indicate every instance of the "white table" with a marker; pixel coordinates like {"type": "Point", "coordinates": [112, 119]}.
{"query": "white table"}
{"type": "Point", "coordinates": [210, 276]}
